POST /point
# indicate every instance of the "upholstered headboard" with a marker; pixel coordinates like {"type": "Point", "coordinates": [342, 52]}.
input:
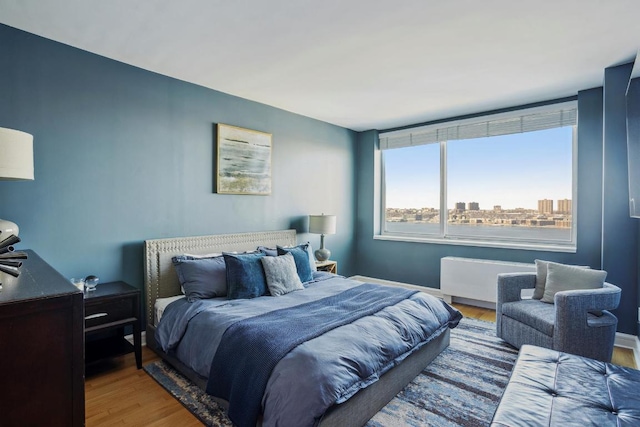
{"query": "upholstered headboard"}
{"type": "Point", "coordinates": [160, 278]}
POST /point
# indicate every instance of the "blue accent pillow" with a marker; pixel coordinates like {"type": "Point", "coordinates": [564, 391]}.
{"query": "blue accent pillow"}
{"type": "Point", "coordinates": [268, 251]}
{"type": "Point", "coordinates": [245, 275]}
{"type": "Point", "coordinates": [306, 246]}
{"type": "Point", "coordinates": [201, 278]}
{"type": "Point", "coordinates": [301, 257]}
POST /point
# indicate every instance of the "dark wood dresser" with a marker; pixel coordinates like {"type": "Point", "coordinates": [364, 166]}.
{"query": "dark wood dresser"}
{"type": "Point", "coordinates": [42, 348]}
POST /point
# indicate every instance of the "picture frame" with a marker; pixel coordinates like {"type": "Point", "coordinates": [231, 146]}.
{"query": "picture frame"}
{"type": "Point", "coordinates": [243, 161]}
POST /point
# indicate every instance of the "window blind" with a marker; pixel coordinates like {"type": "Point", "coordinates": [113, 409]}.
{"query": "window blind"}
{"type": "Point", "coordinates": [540, 118]}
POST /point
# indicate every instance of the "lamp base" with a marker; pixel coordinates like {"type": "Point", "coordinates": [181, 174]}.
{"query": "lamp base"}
{"type": "Point", "coordinates": [322, 254]}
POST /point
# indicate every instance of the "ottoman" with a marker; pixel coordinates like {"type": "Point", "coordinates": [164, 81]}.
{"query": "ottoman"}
{"type": "Point", "coordinates": [550, 388]}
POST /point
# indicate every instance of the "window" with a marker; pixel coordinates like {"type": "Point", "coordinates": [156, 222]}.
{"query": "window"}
{"type": "Point", "coordinates": [506, 180]}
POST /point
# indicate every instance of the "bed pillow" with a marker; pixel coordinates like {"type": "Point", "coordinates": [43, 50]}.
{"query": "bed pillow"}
{"type": "Point", "coordinates": [201, 278]}
{"type": "Point", "coordinates": [562, 277]}
{"type": "Point", "coordinates": [268, 251]}
{"type": "Point", "coordinates": [306, 246]}
{"type": "Point", "coordinates": [541, 277]}
{"type": "Point", "coordinates": [198, 256]}
{"type": "Point", "coordinates": [281, 274]}
{"type": "Point", "coordinates": [312, 257]}
{"type": "Point", "coordinates": [301, 258]}
{"type": "Point", "coordinates": [245, 275]}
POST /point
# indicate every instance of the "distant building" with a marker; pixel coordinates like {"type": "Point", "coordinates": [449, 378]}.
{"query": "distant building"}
{"type": "Point", "coordinates": [460, 206]}
{"type": "Point", "coordinates": [473, 206]}
{"type": "Point", "coordinates": [564, 206]}
{"type": "Point", "coordinates": [545, 206]}
{"type": "Point", "coordinates": [497, 208]}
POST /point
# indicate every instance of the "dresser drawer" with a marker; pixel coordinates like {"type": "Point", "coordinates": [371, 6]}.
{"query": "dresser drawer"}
{"type": "Point", "coordinates": [108, 311]}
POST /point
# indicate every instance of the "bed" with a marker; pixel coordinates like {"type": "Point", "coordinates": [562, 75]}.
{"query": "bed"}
{"type": "Point", "coordinates": [362, 402]}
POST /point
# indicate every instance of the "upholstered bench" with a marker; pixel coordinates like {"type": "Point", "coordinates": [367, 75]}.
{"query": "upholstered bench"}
{"type": "Point", "coordinates": [550, 388]}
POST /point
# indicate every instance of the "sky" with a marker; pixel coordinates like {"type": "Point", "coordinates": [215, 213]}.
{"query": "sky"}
{"type": "Point", "coordinates": [513, 171]}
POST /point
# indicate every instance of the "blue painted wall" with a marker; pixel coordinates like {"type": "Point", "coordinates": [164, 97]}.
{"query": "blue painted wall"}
{"type": "Point", "coordinates": [419, 263]}
{"type": "Point", "coordinates": [123, 155]}
{"type": "Point", "coordinates": [619, 230]}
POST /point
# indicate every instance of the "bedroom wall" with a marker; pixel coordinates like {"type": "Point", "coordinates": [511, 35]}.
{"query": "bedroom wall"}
{"type": "Point", "coordinates": [620, 231]}
{"type": "Point", "coordinates": [419, 263]}
{"type": "Point", "coordinates": [123, 155]}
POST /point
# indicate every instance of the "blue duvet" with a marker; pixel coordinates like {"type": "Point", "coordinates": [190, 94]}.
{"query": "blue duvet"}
{"type": "Point", "coordinates": [318, 373]}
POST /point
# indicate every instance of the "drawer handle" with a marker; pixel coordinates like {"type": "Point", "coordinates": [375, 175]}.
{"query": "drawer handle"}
{"type": "Point", "coordinates": [95, 316]}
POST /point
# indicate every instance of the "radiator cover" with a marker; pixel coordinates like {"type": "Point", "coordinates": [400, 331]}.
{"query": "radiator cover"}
{"type": "Point", "coordinates": [475, 278]}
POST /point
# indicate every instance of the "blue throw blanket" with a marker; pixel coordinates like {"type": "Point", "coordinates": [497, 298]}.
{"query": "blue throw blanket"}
{"type": "Point", "coordinates": [251, 348]}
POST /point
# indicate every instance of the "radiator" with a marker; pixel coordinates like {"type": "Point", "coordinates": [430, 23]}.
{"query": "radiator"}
{"type": "Point", "coordinates": [475, 279]}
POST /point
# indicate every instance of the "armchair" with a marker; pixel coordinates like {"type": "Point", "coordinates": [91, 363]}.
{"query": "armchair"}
{"type": "Point", "coordinates": [578, 322]}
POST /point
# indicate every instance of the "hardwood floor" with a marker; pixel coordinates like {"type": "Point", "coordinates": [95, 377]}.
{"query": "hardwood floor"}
{"type": "Point", "coordinates": [118, 394]}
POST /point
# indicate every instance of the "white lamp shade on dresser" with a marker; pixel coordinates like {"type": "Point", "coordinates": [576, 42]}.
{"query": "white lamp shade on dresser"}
{"type": "Point", "coordinates": [322, 224]}
{"type": "Point", "coordinates": [16, 155]}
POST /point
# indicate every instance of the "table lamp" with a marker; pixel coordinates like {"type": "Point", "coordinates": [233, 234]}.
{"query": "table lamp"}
{"type": "Point", "coordinates": [16, 163]}
{"type": "Point", "coordinates": [322, 224]}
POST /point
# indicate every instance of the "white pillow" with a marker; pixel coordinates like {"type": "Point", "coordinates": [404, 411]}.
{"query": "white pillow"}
{"type": "Point", "coordinates": [541, 277]}
{"type": "Point", "coordinates": [281, 274]}
{"type": "Point", "coordinates": [562, 277]}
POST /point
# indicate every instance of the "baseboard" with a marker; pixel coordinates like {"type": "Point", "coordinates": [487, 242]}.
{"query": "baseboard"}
{"type": "Point", "coordinates": [474, 302]}
{"type": "Point", "coordinates": [629, 341]}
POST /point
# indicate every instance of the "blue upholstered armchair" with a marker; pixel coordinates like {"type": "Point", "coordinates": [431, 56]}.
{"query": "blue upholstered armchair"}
{"type": "Point", "coordinates": [578, 322]}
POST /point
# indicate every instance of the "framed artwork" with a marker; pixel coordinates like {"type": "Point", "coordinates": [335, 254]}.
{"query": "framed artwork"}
{"type": "Point", "coordinates": [244, 161]}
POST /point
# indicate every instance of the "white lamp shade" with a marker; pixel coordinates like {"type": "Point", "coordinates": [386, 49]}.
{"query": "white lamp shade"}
{"type": "Point", "coordinates": [16, 154]}
{"type": "Point", "coordinates": [322, 224]}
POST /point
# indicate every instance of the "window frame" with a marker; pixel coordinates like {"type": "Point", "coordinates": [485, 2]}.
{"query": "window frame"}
{"type": "Point", "coordinates": [380, 232]}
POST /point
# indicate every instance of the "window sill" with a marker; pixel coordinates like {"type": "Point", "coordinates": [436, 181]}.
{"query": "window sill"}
{"type": "Point", "coordinates": [526, 246]}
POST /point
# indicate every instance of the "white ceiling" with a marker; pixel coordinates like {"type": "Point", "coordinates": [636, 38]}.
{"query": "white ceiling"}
{"type": "Point", "coordinates": [361, 64]}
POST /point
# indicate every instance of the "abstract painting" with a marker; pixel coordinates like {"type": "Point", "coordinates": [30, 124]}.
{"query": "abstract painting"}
{"type": "Point", "coordinates": [244, 161]}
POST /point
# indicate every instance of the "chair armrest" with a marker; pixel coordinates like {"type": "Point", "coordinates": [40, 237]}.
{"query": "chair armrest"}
{"type": "Point", "coordinates": [574, 332]}
{"type": "Point", "coordinates": [510, 286]}
{"type": "Point", "coordinates": [572, 305]}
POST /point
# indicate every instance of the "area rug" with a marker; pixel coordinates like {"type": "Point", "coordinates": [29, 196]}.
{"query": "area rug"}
{"type": "Point", "coordinates": [461, 387]}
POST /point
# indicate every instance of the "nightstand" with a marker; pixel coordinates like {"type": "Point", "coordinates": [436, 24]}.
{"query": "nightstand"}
{"type": "Point", "coordinates": [107, 311]}
{"type": "Point", "coordinates": [328, 266]}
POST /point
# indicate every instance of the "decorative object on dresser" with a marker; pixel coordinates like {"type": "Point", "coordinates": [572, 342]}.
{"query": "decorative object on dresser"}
{"type": "Point", "coordinates": [322, 224]}
{"type": "Point", "coordinates": [10, 261]}
{"type": "Point", "coordinates": [16, 163]}
{"type": "Point", "coordinates": [244, 161]}
{"type": "Point", "coordinates": [41, 333]}
{"type": "Point", "coordinates": [107, 311]}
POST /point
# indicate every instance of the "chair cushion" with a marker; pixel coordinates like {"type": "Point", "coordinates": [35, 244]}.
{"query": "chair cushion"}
{"type": "Point", "coordinates": [534, 313]}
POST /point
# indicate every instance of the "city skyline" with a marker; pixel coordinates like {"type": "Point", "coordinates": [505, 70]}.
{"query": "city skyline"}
{"type": "Point", "coordinates": [544, 206]}
{"type": "Point", "coordinates": [472, 214]}
{"type": "Point", "coordinates": [514, 171]}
